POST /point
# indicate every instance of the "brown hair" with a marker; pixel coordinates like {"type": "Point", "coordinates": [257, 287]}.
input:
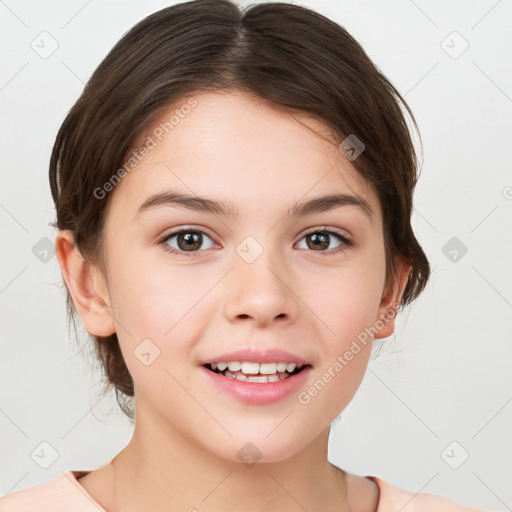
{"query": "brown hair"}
{"type": "Point", "coordinates": [283, 53]}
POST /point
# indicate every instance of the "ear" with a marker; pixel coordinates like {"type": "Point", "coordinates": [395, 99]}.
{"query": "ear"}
{"type": "Point", "coordinates": [390, 301]}
{"type": "Point", "coordinates": [86, 285]}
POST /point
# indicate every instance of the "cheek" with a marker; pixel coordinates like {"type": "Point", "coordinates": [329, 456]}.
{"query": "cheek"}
{"type": "Point", "coordinates": [347, 299]}
{"type": "Point", "coordinates": [347, 304]}
{"type": "Point", "coordinates": [150, 298]}
{"type": "Point", "coordinates": [159, 316]}
{"type": "Point", "coordinates": [163, 304]}
{"type": "Point", "coordinates": [346, 347]}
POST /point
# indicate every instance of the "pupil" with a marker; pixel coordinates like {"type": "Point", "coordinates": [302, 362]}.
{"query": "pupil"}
{"type": "Point", "coordinates": [319, 238]}
{"type": "Point", "coordinates": [191, 240]}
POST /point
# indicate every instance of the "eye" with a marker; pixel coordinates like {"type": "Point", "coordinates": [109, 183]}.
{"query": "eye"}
{"type": "Point", "coordinates": [320, 239]}
{"type": "Point", "coordinates": [185, 241]}
{"type": "Point", "coordinates": [188, 241]}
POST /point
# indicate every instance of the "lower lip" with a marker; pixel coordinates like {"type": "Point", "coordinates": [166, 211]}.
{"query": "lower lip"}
{"type": "Point", "coordinates": [259, 393]}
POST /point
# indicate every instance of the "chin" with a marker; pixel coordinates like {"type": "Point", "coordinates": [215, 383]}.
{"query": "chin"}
{"type": "Point", "coordinates": [250, 450]}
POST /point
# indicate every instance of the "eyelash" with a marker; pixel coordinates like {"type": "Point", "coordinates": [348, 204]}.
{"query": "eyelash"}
{"type": "Point", "coordinates": [346, 242]}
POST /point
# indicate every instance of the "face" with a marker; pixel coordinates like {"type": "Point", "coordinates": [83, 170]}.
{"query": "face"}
{"type": "Point", "coordinates": [188, 283]}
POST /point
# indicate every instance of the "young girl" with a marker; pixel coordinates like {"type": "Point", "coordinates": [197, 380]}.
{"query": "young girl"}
{"type": "Point", "coordinates": [233, 193]}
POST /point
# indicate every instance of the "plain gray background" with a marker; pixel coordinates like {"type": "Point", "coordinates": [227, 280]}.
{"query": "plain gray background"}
{"type": "Point", "coordinates": [434, 412]}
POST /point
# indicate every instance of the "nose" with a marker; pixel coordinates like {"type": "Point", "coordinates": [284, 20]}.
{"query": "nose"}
{"type": "Point", "coordinates": [260, 292]}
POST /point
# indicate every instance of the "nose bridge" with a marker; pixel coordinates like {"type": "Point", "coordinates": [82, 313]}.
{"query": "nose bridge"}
{"type": "Point", "coordinates": [258, 284]}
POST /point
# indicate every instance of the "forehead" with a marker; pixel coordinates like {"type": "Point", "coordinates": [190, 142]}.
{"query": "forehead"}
{"type": "Point", "coordinates": [240, 148]}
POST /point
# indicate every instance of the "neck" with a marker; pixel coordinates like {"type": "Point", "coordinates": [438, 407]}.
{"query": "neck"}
{"type": "Point", "coordinates": [162, 470]}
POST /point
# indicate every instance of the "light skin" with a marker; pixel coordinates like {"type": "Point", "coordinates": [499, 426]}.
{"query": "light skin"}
{"type": "Point", "coordinates": [298, 296]}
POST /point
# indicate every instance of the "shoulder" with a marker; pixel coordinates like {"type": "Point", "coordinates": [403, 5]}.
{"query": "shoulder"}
{"type": "Point", "coordinates": [61, 494]}
{"type": "Point", "coordinates": [395, 498]}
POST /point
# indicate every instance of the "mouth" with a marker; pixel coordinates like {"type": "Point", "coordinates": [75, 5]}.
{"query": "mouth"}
{"type": "Point", "coordinates": [253, 372]}
{"type": "Point", "coordinates": [258, 383]}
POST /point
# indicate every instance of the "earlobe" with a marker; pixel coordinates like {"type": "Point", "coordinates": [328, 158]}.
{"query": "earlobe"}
{"type": "Point", "coordinates": [86, 286]}
{"type": "Point", "coordinates": [388, 309]}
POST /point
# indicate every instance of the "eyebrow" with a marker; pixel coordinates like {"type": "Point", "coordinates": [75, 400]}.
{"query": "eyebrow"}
{"type": "Point", "coordinates": [202, 204]}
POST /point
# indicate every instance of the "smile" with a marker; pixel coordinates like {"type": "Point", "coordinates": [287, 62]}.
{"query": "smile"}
{"type": "Point", "coordinates": [261, 373]}
{"type": "Point", "coordinates": [257, 383]}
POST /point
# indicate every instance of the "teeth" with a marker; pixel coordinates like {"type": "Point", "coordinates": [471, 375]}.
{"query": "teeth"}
{"type": "Point", "coordinates": [268, 368]}
{"type": "Point", "coordinates": [260, 379]}
{"type": "Point", "coordinates": [249, 368]}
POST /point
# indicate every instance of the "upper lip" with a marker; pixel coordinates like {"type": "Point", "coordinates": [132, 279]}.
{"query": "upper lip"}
{"type": "Point", "coordinates": [257, 355]}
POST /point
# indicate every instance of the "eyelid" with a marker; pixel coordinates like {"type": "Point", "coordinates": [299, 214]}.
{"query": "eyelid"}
{"type": "Point", "coordinates": [321, 229]}
{"type": "Point", "coordinates": [163, 239]}
{"type": "Point", "coordinates": [180, 229]}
